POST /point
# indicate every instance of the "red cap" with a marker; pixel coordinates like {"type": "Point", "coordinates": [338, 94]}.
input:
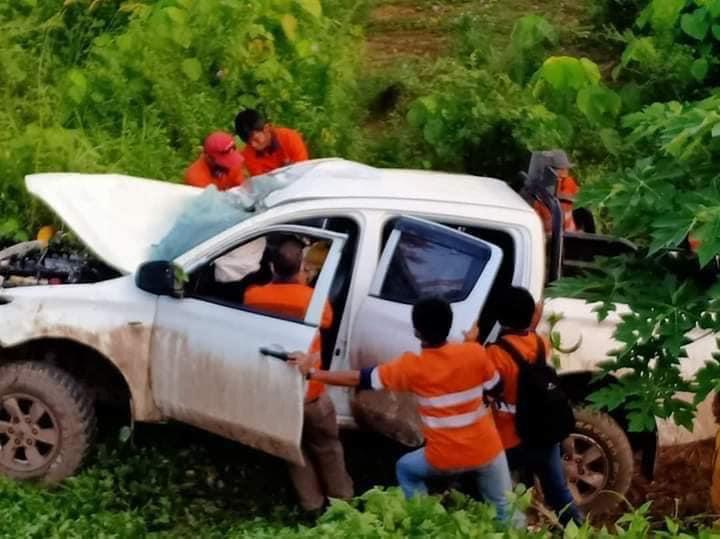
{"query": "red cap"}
{"type": "Point", "coordinates": [220, 147]}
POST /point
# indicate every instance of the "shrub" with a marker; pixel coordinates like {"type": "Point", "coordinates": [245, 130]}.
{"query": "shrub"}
{"type": "Point", "coordinates": [133, 87]}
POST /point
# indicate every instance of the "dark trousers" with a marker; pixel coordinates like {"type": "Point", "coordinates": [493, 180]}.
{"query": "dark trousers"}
{"type": "Point", "coordinates": [545, 463]}
{"type": "Point", "coordinates": [324, 474]}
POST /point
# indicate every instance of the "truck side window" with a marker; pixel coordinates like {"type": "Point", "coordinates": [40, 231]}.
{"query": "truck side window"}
{"type": "Point", "coordinates": [422, 268]}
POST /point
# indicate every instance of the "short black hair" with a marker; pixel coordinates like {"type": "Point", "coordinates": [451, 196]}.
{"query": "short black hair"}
{"type": "Point", "coordinates": [287, 258]}
{"type": "Point", "coordinates": [247, 121]}
{"type": "Point", "coordinates": [432, 319]}
{"type": "Point", "coordinates": [515, 308]}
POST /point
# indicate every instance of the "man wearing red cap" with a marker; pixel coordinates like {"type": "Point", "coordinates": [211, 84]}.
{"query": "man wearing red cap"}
{"type": "Point", "coordinates": [220, 164]}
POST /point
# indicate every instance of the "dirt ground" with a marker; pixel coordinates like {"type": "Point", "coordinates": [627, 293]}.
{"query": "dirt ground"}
{"type": "Point", "coordinates": [682, 481]}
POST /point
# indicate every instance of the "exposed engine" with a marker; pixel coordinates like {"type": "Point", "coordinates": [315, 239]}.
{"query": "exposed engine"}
{"type": "Point", "coordinates": [34, 263]}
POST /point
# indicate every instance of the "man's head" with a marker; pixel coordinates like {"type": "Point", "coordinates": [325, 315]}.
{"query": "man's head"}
{"type": "Point", "coordinates": [432, 319]}
{"type": "Point", "coordinates": [287, 259]}
{"type": "Point", "coordinates": [251, 127]}
{"type": "Point", "coordinates": [220, 151]}
{"type": "Point", "coordinates": [560, 164]}
{"type": "Point", "coordinates": [516, 309]}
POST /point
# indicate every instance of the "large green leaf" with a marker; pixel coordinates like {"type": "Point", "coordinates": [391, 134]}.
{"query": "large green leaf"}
{"type": "Point", "coordinates": [78, 85]}
{"type": "Point", "coordinates": [566, 72]}
{"type": "Point", "coordinates": [696, 24]}
{"type": "Point", "coordinates": [289, 25]}
{"type": "Point", "coordinates": [314, 7]}
{"type": "Point", "coordinates": [663, 14]}
{"type": "Point", "coordinates": [600, 105]}
{"type": "Point", "coordinates": [192, 68]}
{"type": "Point", "coordinates": [699, 69]}
{"type": "Point", "coordinates": [713, 7]}
{"type": "Point", "coordinates": [709, 237]}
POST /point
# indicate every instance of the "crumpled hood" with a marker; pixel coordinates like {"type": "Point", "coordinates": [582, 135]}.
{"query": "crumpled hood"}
{"type": "Point", "coordinates": [117, 217]}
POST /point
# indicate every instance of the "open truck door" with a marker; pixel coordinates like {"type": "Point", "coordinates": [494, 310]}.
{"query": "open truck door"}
{"type": "Point", "coordinates": [208, 368]}
{"type": "Point", "coordinates": [419, 259]}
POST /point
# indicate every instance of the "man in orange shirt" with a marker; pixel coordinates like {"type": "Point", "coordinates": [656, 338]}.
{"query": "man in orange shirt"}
{"type": "Point", "coordinates": [267, 147]}
{"type": "Point", "coordinates": [324, 474]}
{"type": "Point", "coordinates": [518, 315]}
{"type": "Point", "coordinates": [566, 189]}
{"type": "Point", "coordinates": [449, 381]}
{"type": "Point", "coordinates": [220, 164]}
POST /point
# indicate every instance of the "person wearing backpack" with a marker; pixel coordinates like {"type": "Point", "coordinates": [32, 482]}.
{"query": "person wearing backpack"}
{"type": "Point", "coordinates": [449, 381]}
{"type": "Point", "coordinates": [534, 415]}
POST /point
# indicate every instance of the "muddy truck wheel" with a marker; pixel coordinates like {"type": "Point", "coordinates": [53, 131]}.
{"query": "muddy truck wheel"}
{"type": "Point", "coordinates": [598, 461]}
{"type": "Point", "coordinates": [47, 421]}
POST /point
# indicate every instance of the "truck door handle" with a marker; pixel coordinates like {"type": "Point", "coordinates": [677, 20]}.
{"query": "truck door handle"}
{"type": "Point", "coordinates": [284, 356]}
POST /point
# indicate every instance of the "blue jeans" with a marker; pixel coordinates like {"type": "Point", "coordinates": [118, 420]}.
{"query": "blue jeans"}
{"type": "Point", "coordinates": [546, 464]}
{"type": "Point", "coordinates": [493, 481]}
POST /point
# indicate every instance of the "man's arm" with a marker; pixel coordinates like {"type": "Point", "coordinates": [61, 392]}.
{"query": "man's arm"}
{"type": "Point", "coordinates": [336, 378]}
{"type": "Point", "coordinates": [362, 378]}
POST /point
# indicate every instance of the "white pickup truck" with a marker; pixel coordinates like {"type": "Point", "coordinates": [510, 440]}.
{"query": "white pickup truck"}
{"type": "Point", "coordinates": [190, 351]}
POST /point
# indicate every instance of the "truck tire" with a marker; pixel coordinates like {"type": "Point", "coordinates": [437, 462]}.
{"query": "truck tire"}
{"type": "Point", "coordinates": [47, 422]}
{"type": "Point", "coordinates": [598, 461]}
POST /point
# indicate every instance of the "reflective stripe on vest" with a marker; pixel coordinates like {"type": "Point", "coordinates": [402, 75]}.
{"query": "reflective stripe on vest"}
{"type": "Point", "coordinates": [459, 397]}
{"type": "Point", "coordinates": [454, 421]}
{"type": "Point", "coordinates": [375, 381]}
{"type": "Point", "coordinates": [505, 407]}
{"type": "Point", "coordinates": [452, 399]}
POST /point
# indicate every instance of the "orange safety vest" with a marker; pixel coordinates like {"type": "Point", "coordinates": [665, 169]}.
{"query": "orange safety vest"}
{"type": "Point", "coordinates": [567, 190]}
{"type": "Point", "coordinates": [448, 383]}
{"type": "Point", "coordinates": [199, 174]}
{"type": "Point", "coordinates": [292, 300]}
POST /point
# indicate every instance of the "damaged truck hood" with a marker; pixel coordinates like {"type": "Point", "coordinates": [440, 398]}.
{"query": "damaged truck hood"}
{"type": "Point", "coordinates": [117, 217]}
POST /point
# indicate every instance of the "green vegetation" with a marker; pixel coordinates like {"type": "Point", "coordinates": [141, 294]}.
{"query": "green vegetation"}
{"type": "Point", "coordinates": [132, 86]}
{"type": "Point", "coordinates": [206, 489]}
{"type": "Point", "coordinates": [648, 167]}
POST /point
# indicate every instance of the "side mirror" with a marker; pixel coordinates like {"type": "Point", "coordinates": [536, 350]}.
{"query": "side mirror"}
{"type": "Point", "coordinates": [161, 278]}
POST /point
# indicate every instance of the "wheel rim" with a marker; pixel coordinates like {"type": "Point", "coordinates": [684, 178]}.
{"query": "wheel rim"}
{"type": "Point", "coordinates": [29, 433]}
{"type": "Point", "coordinates": [587, 467]}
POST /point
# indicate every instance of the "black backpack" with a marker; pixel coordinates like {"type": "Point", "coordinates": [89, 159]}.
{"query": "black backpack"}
{"type": "Point", "coordinates": [544, 415]}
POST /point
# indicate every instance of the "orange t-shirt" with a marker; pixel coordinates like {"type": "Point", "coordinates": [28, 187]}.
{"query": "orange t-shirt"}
{"type": "Point", "coordinates": [448, 383]}
{"type": "Point", "coordinates": [199, 174]}
{"type": "Point", "coordinates": [504, 415]}
{"type": "Point", "coordinates": [286, 148]}
{"type": "Point", "coordinates": [567, 188]}
{"type": "Point", "coordinates": [292, 300]}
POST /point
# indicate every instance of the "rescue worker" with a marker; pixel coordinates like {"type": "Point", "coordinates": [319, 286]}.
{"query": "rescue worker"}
{"type": "Point", "coordinates": [324, 474]}
{"type": "Point", "coordinates": [220, 164]}
{"type": "Point", "coordinates": [519, 315]}
{"type": "Point", "coordinates": [449, 381]}
{"type": "Point", "coordinates": [566, 190]}
{"type": "Point", "coordinates": [267, 147]}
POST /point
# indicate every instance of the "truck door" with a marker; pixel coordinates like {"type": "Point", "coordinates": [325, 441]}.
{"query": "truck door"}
{"type": "Point", "coordinates": [207, 369]}
{"type": "Point", "coordinates": [419, 259]}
